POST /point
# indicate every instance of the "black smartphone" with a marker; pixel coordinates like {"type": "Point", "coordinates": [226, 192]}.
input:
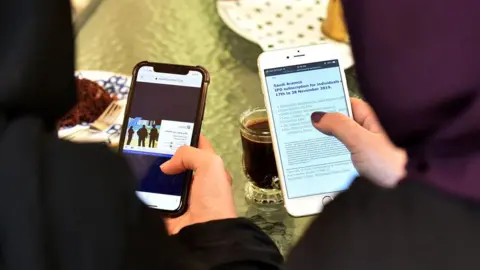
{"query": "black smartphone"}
{"type": "Point", "coordinates": [164, 112]}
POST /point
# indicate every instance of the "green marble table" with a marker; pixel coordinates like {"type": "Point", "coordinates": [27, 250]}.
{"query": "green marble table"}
{"type": "Point", "coordinates": [120, 33]}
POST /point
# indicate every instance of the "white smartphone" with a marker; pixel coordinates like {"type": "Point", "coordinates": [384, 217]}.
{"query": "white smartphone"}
{"type": "Point", "coordinates": [312, 166]}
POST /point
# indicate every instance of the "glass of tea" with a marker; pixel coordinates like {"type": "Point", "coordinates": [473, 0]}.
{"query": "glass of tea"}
{"type": "Point", "coordinates": [258, 159]}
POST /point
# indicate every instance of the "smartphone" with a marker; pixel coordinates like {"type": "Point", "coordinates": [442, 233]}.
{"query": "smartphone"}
{"type": "Point", "coordinates": [164, 112]}
{"type": "Point", "coordinates": [312, 166]}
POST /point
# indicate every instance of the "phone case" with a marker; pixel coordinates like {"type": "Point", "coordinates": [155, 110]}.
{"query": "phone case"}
{"type": "Point", "coordinates": [197, 127]}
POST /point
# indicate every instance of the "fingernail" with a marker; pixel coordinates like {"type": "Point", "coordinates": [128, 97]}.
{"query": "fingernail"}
{"type": "Point", "coordinates": [317, 116]}
{"type": "Point", "coordinates": [163, 165]}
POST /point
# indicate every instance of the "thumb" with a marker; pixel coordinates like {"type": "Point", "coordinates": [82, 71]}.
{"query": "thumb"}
{"type": "Point", "coordinates": [186, 158]}
{"type": "Point", "coordinates": [342, 127]}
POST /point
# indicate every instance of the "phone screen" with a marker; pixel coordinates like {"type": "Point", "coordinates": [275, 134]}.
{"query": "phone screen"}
{"type": "Point", "coordinates": [161, 118]}
{"type": "Point", "coordinates": [312, 163]}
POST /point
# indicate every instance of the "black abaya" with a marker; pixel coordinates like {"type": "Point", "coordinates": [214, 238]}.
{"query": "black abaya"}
{"type": "Point", "coordinates": [55, 213]}
{"type": "Point", "coordinates": [417, 64]}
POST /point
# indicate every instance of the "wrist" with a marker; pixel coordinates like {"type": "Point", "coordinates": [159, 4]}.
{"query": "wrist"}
{"type": "Point", "coordinates": [221, 215]}
{"type": "Point", "coordinates": [400, 161]}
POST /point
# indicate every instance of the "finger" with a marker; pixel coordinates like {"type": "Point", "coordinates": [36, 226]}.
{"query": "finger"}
{"type": "Point", "coordinates": [205, 144]}
{"type": "Point", "coordinates": [186, 158]}
{"type": "Point", "coordinates": [361, 110]}
{"type": "Point", "coordinates": [229, 176]}
{"type": "Point", "coordinates": [342, 127]}
{"type": "Point", "coordinates": [364, 114]}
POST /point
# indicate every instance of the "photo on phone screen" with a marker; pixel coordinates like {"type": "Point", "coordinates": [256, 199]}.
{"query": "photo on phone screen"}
{"type": "Point", "coordinates": [312, 162]}
{"type": "Point", "coordinates": [161, 118]}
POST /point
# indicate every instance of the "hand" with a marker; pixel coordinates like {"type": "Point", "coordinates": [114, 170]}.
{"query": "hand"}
{"type": "Point", "coordinates": [211, 196]}
{"type": "Point", "coordinates": [373, 154]}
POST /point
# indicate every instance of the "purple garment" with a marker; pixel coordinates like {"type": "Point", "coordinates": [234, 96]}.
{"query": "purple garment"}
{"type": "Point", "coordinates": [419, 66]}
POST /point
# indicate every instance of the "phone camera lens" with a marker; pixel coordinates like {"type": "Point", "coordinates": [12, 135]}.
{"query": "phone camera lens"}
{"type": "Point", "coordinates": [288, 57]}
{"type": "Point", "coordinates": [298, 51]}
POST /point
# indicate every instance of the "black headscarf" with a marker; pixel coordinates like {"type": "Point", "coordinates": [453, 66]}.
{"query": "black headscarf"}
{"type": "Point", "coordinates": [59, 207]}
{"type": "Point", "coordinates": [418, 64]}
{"type": "Point", "coordinates": [36, 54]}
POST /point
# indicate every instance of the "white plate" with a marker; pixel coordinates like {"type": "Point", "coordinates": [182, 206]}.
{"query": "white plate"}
{"type": "Point", "coordinates": [278, 24]}
{"type": "Point", "coordinates": [117, 85]}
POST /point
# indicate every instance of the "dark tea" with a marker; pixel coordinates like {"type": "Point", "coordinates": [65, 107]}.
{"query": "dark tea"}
{"type": "Point", "coordinates": [258, 153]}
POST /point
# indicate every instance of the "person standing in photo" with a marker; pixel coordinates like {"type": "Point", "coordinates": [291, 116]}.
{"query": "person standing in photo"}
{"type": "Point", "coordinates": [153, 137]}
{"type": "Point", "coordinates": [142, 134]}
{"type": "Point", "coordinates": [130, 135]}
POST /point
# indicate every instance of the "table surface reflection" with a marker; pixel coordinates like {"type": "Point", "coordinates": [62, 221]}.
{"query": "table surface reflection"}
{"type": "Point", "coordinates": [121, 33]}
